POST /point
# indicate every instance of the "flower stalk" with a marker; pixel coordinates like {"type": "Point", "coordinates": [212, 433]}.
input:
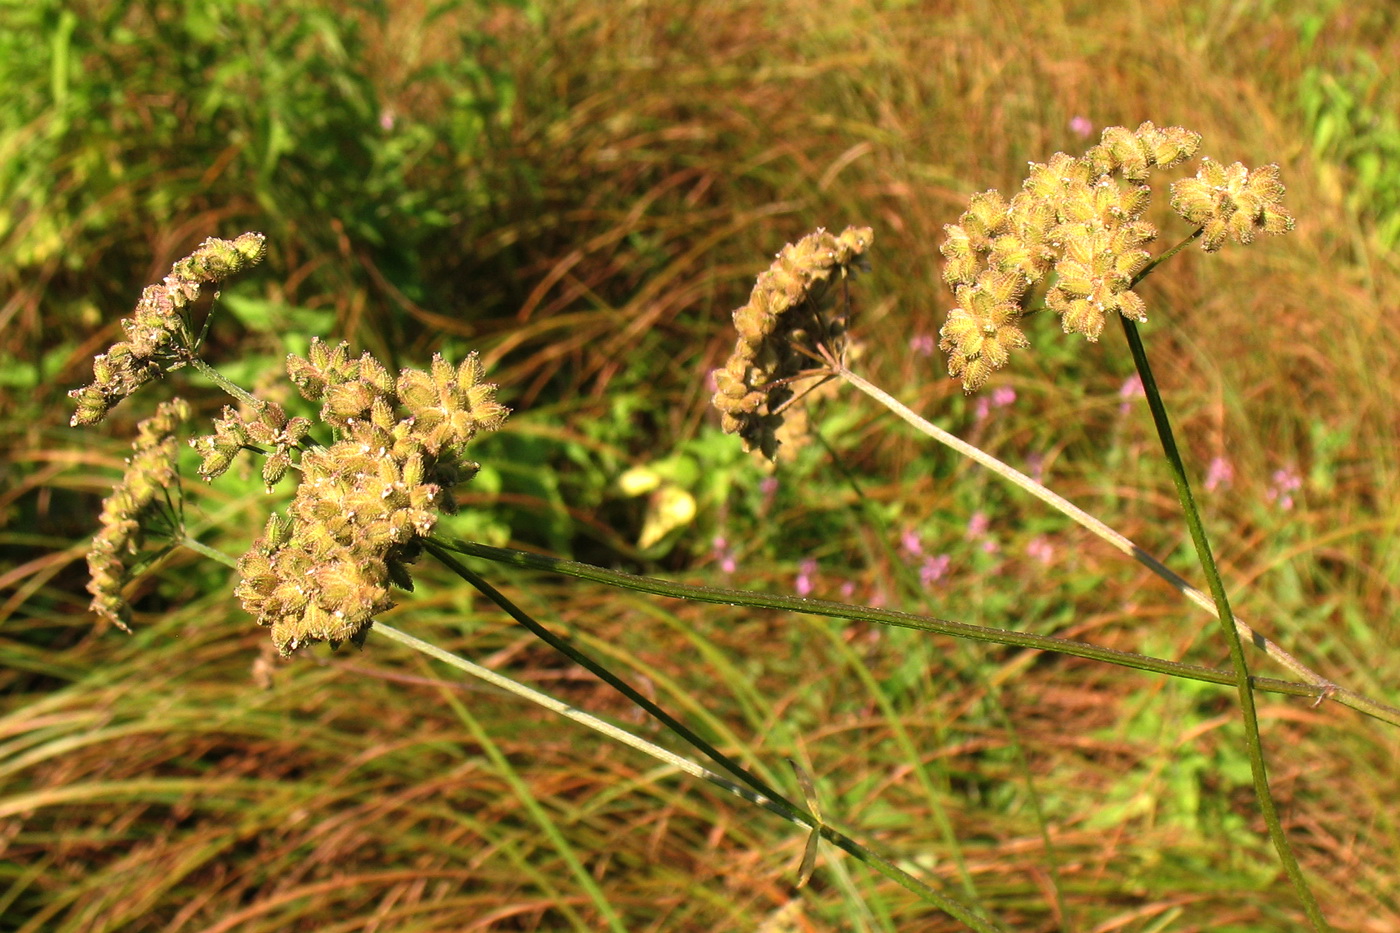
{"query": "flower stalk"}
{"type": "Point", "coordinates": [1253, 742]}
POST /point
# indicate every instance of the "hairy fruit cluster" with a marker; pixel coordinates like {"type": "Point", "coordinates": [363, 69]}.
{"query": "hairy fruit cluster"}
{"type": "Point", "coordinates": [1080, 220]}
{"type": "Point", "coordinates": [788, 320]}
{"type": "Point", "coordinates": [157, 333]}
{"type": "Point", "coordinates": [365, 502]}
{"type": "Point", "coordinates": [150, 473]}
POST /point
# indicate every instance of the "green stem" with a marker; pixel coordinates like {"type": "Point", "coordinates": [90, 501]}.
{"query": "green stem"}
{"type": "Point", "coordinates": [774, 800]}
{"type": "Point", "coordinates": [608, 677]}
{"type": "Point", "coordinates": [821, 607]}
{"type": "Point", "coordinates": [561, 708]}
{"type": "Point", "coordinates": [542, 819]}
{"type": "Point", "coordinates": [1147, 269]}
{"type": "Point", "coordinates": [768, 799]}
{"type": "Point", "coordinates": [917, 593]}
{"type": "Point", "coordinates": [205, 550]}
{"type": "Point", "coordinates": [223, 382]}
{"type": "Point", "coordinates": [1227, 625]}
{"type": "Point", "coordinates": [1324, 688]}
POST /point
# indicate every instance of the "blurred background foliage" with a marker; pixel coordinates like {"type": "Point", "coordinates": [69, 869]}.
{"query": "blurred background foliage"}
{"type": "Point", "coordinates": [583, 190]}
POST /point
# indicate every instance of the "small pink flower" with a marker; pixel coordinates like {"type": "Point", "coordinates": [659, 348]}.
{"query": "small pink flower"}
{"type": "Point", "coordinates": [934, 569]}
{"type": "Point", "coordinates": [1129, 390]}
{"type": "Point", "coordinates": [1035, 468]}
{"type": "Point", "coordinates": [768, 489]}
{"type": "Point", "coordinates": [1041, 549]}
{"type": "Point", "coordinates": [1081, 127]}
{"type": "Point", "coordinates": [977, 530]}
{"type": "Point", "coordinates": [922, 344]}
{"type": "Point", "coordinates": [1002, 397]}
{"type": "Point", "coordinates": [1286, 482]}
{"type": "Point", "coordinates": [911, 544]}
{"type": "Point", "coordinates": [723, 554]}
{"type": "Point", "coordinates": [1219, 474]}
{"type": "Point", "coordinates": [805, 572]}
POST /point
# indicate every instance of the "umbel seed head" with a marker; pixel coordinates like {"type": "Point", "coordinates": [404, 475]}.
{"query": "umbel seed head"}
{"type": "Point", "coordinates": [150, 473]}
{"type": "Point", "coordinates": [157, 338]}
{"type": "Point", "coordinates": [1081, 218]}
{"type": "Point", "coordinates": [1232, 202]}
{"type": "Point", "coordinates": [363, 504]}
{"type": "Point", "coordinates": [788, 320]}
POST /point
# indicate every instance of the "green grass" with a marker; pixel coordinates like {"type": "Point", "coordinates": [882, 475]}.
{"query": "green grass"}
{"type": "Point", "coordinates": [584, 194]}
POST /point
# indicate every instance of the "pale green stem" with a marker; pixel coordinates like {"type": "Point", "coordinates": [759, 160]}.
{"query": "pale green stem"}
{"type": "Point", "coordinates": [793, 812]}
{"type": "Point", "coordinates": [772, 801]}
{"type": "Point", "coordinates": [603, 727]}
{"type": "Point", "coordinates": [542, 819]}
{"type": "Point", "coordinates": [223, 382]}
{"type": "Point", "coordinates": [1324, 687]}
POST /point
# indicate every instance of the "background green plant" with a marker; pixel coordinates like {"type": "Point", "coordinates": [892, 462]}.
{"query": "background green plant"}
{"type": "Point", "coordinates": [584, 195]}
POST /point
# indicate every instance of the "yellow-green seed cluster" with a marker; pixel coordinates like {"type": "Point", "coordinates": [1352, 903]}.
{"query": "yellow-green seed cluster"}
{"type": "Point", "coordinates": [1082, 219]}
{"type": "Point", "coordinates": [156, 333]}
{"type": "Point", "coordinates": [149, 474]}
{"type": "Point", "coordinates": [365, 502]}
{"type": "Point", "coordinates": [789, 316]}
{"type": "Point", "coordinates": [1232, 202]}
{"type": "Point", "coordinates": [270, 431]}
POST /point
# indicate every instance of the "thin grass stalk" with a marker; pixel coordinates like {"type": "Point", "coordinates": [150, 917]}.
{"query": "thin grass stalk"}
{"type": "Point", "coordinates": [1253, 742]}
{"type": "Point", "coordinates": [993, 695]}
{"type": "Point", "coordinates": [1321, 687]}
{"type": "Point", "coordinates": [912, 755]}
{"type": "Point", "coordinates": [541, 819]}
{"type": "Point", "coordinates": [588, 720]}
{"type": "Point", "coordinates": [793, 812]}
{"type": "Point", "coordinates": [574, 654]}
{"type": "Point", "coordinates": [1023, 767]}
{"type": "Point", "coordinates": [769, 800]}
{"type": "Point", "coordinates": [876, 519]}
{"type": "Point", "coordinates": [835, 610]}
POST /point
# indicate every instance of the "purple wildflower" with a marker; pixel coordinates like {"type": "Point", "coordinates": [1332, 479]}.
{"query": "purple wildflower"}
{"type": "Point", "coordinates": [1286, 482]}
{"type": "Point", "coordinates": [1002, 397]}
{"type": "Point", "coordinates": [1129, 390]}
{"type": "Point", "coordinates": [1219, 474]}
{"type": "Point", "coordinates": [723, 554]}
{"type": "Point", "coordinates": [768, 486]}
{"type": "Point", "coordinates": [934, 569]}
{"type": "Point", "coordinates": [1041, 549]}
